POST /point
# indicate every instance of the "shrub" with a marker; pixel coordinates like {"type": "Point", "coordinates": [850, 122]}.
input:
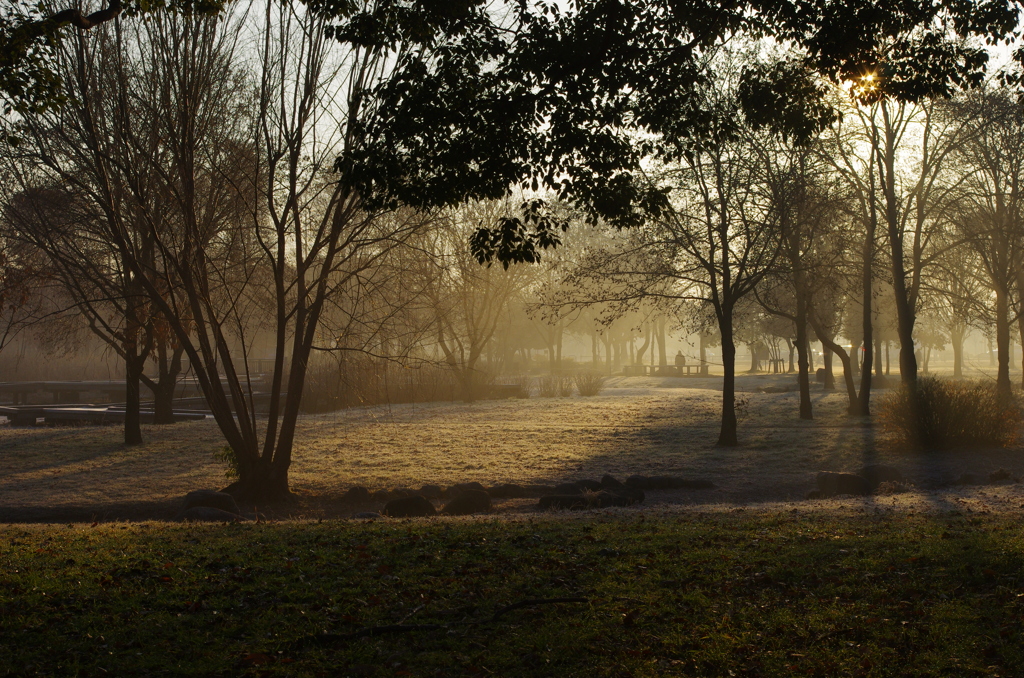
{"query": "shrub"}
{"type": "Point", "coordinates": [555, 385]}
{"type": "Point", "coordinates": [941, 414]}
{"type": "Point", "coordinates": [588, 383]}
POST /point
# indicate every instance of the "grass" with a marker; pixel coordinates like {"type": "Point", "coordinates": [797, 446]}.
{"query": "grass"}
{"type": "Point", "coordinates": [694, 594]}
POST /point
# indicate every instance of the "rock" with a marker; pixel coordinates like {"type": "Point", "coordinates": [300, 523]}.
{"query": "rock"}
{"type": "Point", "coordinates": [430, 491]}
{"type": "Point", "coordinates": [592, 485]}
{"type": "Point", "coordinates": [211, 499]}
{"type": "Point", "coordinates": [667, 483]}
{"type": "Point", "coordinates": [636, 495]}
{"type": "Point", "coordinates": [562, 501]}
{"type": "Point", "coordinates": [1001, 476]}
{"type": "Point", "coordinates": [381, 495]}
{"type": "Point", "coordinates": [467, 503]}
{"type": "Point", "coordinates": [813, 494]}
{"type": "Point", "coordinates": [207, 514]}
{"type": "Point", "coordinates": [591, 500]}
{"type": "Point", "coordinates": [458, 488]}
{"type": "Point", "coordinates": [507, 491]}
{"type": "Point", "coordinates": [609, 481]}
{"type": "Point", "coordinates": [568, 488]}
{"type": "Point", "coordinates": [890, 487]}
{"type": "Point", "coordinates": [357, 495]}
{"type": "Point", "coordinates": [876, 474]}
{"type": "Point", "coordinates": [820, 374]}
{"type": "Point", "coordinates": [409, 507]}
{"type": "Point", "coordinates": [400, 492]}
{"type": "Point", "coordinates": [538, 490]}
{"type": "Point", "coordinates": [831, 484]}
{"type": "Point", "coordinates": [366, 515]}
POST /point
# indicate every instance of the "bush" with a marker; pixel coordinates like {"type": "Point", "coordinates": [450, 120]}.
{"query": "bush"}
{"type": "Point", "coordinates": [941, 414]}
{"type": "Point", "coordinates": [555, 386]}
{"type": "Point", "coordinates": [588, 383]}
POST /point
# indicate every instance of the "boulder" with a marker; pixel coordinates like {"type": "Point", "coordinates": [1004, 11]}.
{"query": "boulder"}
{"type": "Point", "coordinates": [591, 500]}
{"type": "Point", "coordinates": [609, 481]}
{"type": "Point", "coordinates": [562, 501]}
{"type": "Point", "coordinates": [207, 514]}
{"type": "Point", "coordinates": [507, 491]}
{"type": "Point", "coordinates": [399, 492]}
{"type": "Point", "coordinates": [667, 483]}
{"type": "Point", "coordinates": [409, 507]}
{"type": "Point", "coordinates": [538, 490]}
{"type": "Point", "coordinates": [211, 499]}
{"type": "Point", "coordinates": [830, 484]}
{"type": "Point", "coordinates": [592, 485]}
{"type": "Point", "coordinates": [889, 487]}
{"type": "Point", "coordinates": [876, 474]}
{"type": "Point", "coordinates": [357, 495]}
{"type": "Point", "coordinates": [381, 495]}
{"type": "Point", "coordinates": [430, 491]}
{"type": "Point", "coordinates": [1002, 476]}
{"type": "Point", "coordinates": [458, 488]}
{"type": "Point", "coordinates": [467, 503]}
{"type": "Point", "coordinates": [568, 488]}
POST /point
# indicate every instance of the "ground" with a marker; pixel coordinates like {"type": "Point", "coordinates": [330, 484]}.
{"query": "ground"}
{"type": "Point", "coordinates": [638, 425]}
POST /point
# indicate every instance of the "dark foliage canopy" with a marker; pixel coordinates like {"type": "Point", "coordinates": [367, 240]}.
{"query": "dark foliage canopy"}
{"type": "Point", "coordinates": [572, 101]}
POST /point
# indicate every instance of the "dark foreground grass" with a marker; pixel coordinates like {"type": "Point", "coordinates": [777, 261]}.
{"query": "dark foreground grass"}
{"type": "Point", "coordinates": [682, 594]}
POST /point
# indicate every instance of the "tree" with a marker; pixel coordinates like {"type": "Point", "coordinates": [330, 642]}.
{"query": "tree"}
{"type": "Point", "coordinates": [807, 203]}
{"type": "Point", "coordinates": [988, 212]}
{"type": "Point", "coordinates": [469, 301]}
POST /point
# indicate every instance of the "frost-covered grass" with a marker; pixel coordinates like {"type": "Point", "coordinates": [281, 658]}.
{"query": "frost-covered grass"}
{"type": "Point", "coordinates": [637, 425]}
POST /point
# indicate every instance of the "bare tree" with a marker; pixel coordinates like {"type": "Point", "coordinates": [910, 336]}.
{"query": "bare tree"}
{"type": "Point", "coordinates": [470, 301]}
{"type": "Point", "coordinates": [988, 212]}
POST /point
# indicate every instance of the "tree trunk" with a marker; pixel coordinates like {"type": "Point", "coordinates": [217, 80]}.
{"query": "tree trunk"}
{"type": "Point", "coordinates": [803, 348]}
{"type": "Point", "coordinates": [887, 343]}
{"type": "Point", "coordinates": [832, 347]}
{"type": "Point", "coordinates": [1020, 328]}
{"type": "Point", "coordinates": [956, 337]}
{"type": "Point", "coordinates": [560, 335]}
{"type": "Point", "coordinates": [830, 376]}
{"type": "Point", "coordinates": [754, 362]}
{"type": "Point", "coordinates": [867, 278]}
{"type": "Point", "coordinates": [1003, 387]}
{"type": "Point", "coordinates": [703, 354]}
{"type": "Point", "coordinates": [727, 437]}
{"type": "Point", "coordinates": [878, 356]}
{"type": "Point", "coordinates": [132, 382]}
{"type": "Point", "coordinates": [662, 341]}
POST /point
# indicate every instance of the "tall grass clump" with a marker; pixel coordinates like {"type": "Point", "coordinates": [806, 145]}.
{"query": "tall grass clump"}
{"type": "Point", "coordinates": [939, 414]}
{"type": "Point", "coordinates": [588, 383]}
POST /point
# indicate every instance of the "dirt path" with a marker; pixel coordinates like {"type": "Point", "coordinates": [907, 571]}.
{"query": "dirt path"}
{"type": "Point", "coordinates": [638, 425]}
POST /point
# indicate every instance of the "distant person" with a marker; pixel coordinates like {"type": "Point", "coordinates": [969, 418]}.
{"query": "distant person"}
{"type": "Point", "coordinates": [680, 359]}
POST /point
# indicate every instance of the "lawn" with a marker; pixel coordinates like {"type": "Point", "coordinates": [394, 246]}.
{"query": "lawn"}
{"type": "Point", "coordinates": [868, 592]}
